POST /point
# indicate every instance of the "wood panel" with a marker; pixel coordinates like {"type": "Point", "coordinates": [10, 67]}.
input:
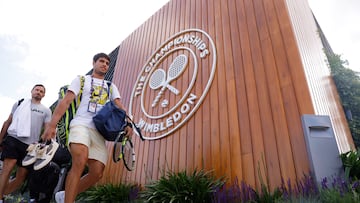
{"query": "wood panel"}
{"type": "Point", "coordinates": [248, 126]}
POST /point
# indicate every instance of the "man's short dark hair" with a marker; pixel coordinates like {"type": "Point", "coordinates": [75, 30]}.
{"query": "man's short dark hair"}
{"type": "Point", "coordinates": [101, 55]}
{"type": "Point", "coordinates": [39, 85]}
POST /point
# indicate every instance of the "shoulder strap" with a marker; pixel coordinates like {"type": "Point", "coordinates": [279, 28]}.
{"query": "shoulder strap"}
{"type": "Point", "coordinates": [109, 90]}
{"type": "Point", "coordinates": [63, 91]}
{"type": "Point", "coordinates": [19, 102]}
{"type": "Point", "coordinates": [82, 81]}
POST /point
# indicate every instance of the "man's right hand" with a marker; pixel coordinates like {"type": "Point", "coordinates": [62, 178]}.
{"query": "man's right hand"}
{"type": "Point", "coordinates": [49, 133]}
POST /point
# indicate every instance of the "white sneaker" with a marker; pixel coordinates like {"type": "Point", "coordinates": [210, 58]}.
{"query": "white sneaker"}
{"type": "Point", "coordinates": [45, 154]}
{"type": "Point", "coordinates": [30, 157]}
{"type": "Point", "coordinates": [60, 197]}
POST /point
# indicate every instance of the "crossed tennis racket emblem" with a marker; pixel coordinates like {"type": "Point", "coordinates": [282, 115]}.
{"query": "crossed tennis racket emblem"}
{"type": "Point", "coordinates": [159, 79]}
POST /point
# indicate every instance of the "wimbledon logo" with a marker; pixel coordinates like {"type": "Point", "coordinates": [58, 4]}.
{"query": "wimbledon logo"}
{"type": "Point", "coordinates": [173, 83]}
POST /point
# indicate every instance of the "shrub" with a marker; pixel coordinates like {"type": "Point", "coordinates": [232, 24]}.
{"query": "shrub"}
{"type": "Point", "coordinates": [235, 192]}
{"type": "Point", "coordinates": [199, 186]}
{"type": "Point", "coordinates": [351, 163]}
{"type": "Point", "coordinates": [110, 193]}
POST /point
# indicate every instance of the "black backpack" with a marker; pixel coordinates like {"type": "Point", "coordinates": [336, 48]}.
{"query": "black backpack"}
{"type": "Point", "coordinates": [42, 182]}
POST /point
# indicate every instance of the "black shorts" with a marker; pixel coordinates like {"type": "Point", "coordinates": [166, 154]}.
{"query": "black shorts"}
{"type": "Point", "coordinates": [13, 149]}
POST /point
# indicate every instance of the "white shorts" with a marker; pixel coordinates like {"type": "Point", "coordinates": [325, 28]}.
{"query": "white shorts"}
{"type": "Point", "coordinates": [92, 139]}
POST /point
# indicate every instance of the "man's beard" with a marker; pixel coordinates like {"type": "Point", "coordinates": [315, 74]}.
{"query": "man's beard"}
{"type": "Point", "coordinates": [100, 72]}
{"type": "Point", "coordinates": [37, 97]}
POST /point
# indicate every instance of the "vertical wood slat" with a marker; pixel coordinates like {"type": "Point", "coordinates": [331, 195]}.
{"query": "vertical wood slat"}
{"type": "Point", "coordinates": [170, 145]}
{"type": "Point", "coordinates": [198, 130]}
{"type": "Point", "coordinates": [156, 145]}
{"type": "Point", "coordinates": [249, 121]}
{"type": "Point", "coordinates": [180, 157]}
{"type": "Point", "coordinates": [223, 157]}
{"type": "Point", "coordinates": [206, 137]}
{"type": "Point", "coordinates": [246, 129]}
{"type": "Point", "coordinates": [177, 137]}
{"type": "Point", "coordinates": [163, 143]}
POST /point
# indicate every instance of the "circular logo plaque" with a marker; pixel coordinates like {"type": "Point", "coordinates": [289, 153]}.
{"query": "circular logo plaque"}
{"type": "Point", "coordinates": [173, 83]}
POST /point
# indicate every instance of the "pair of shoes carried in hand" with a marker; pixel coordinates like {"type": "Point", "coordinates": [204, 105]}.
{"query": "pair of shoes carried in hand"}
{"type": "Point", "coordinates": [40, 154]}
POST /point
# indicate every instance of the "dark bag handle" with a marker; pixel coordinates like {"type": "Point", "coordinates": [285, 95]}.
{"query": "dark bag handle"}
{"type": "Point", "coordinates": [136, 128]}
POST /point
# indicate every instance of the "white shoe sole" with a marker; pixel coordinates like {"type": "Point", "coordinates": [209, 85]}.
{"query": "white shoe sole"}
{"type": "Point", "coordinates": [47, 156]}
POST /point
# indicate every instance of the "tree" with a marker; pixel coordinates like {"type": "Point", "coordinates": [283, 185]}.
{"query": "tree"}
{"type": "Point", "coordinates": [348, 85]}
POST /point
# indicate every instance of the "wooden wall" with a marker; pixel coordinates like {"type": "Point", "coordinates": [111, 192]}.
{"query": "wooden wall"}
{"type": "Point", "coordinates": [250, 119]}
{"type": "Point", "coordinates": [322, 88]}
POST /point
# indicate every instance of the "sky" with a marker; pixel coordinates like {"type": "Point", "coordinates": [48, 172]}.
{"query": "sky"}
{"type": "Point", "coordinates": [52, 41]}
{"type": "Point", "coordinates": [339, 20]}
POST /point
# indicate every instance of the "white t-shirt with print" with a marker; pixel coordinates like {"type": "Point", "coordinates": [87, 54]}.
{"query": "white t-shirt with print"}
{"type": "Point", "coordinates": [92, 87]}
